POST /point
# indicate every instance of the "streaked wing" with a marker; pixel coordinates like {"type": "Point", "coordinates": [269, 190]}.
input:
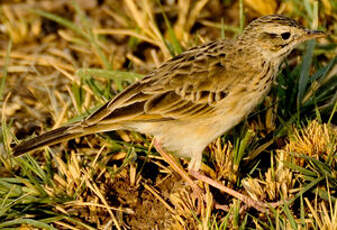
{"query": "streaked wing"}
{"type": "Point", "coordinates": [190, 84]}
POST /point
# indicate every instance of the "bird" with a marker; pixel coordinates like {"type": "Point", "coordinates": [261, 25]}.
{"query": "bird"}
{"type": "Point", "coordinates": [196, 96]}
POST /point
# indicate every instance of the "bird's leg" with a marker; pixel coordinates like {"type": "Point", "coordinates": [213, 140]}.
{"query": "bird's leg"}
{"type": "Point", "coordinates": [194, 171]}
{"type": "Point", "coordinates": [260, 206]}
{"type": "Point", "coordinates": [177, 168]}
{"type": "Point", "coordinates": [170, 160]}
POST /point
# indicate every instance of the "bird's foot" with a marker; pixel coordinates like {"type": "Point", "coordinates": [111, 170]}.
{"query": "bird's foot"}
{"type": "Point", "coordinates": [258, 205]}
{"type": "Point", "coordinates": [199, 194]}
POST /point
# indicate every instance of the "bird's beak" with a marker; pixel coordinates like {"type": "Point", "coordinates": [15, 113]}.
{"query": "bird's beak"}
{"type": "Point", "coordinates": [311, 34]}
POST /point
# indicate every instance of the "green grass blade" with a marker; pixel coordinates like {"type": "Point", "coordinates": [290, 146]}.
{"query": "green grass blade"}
{"type": "Point", "coordinates": [302, 212]}
{"type": "Point", "coordinates": [91, 38]}
{"type": "Point", "coordinates": [308, 8]}
{"type": "Point", "coordinates": [304, 73]}
{"type": "Point", "coordinates": [175, 43]}
{"type": "Point", "coordinates": [325, 195]}
{"type": "Point", "coordinates": [306, 188]}
{"type": "Point", "coordinates": [242, 15]}
{"type": "Point", "coordinates": [332, 112]}
{"type": "Point", "coordinates": [5, 69]}
{"type": "Point", "coordinates": [109, 74]}
{"type": "Point", "coordinates": [78, 95]}
{"type": "Point", "coordinates": [241, 146]}
{"type": "Point", "coordinates": [61, 21]}
{"type": "Point", "coordinates": [290, 217]}
{"type": "Point", "coordinates": [177, 49]}
{"type": "Point", "coordinates": [96, 87]}
{"type": "Point", "coordinates": [299, 169]}
{"type": "Point", "coordinates": [100, 90]}
{"type": "Point", "coordinates": [222, 29]}
{"type": "Point", "coordinates": [31, 222]}
{"type": "Point", "coordinates": [322, 72]}
{"type": "Point", "coordinates": [321, 166]}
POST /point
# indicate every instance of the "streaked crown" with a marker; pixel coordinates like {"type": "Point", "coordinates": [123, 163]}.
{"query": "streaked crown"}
{"type": "Point", "coordinates": [277, 35]}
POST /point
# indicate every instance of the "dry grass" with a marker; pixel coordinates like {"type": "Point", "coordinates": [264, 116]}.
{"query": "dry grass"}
{"type": "Point", "coordinates": [62, 60]}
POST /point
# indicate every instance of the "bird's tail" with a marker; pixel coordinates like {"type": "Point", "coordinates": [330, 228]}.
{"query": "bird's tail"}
{"type": "Point", "coordinates": [62, 134]}
{"type": "Point", "coordinates": [49, 138]}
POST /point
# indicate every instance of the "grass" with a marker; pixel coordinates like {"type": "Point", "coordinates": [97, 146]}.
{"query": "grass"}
{"type": "Point", "coordinates": [60, 65]}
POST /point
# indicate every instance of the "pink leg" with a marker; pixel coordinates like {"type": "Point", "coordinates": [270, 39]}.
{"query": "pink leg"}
{"type": "Point", "coordinates": [177, 167]}
{"type": "Point", "coordinates": [260, 206]}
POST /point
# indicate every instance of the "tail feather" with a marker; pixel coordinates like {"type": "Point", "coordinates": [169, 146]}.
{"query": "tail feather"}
{"type": "Point", "coordinates": [62, 134]}
{"type": "Point", "coordinates": [52, 137]}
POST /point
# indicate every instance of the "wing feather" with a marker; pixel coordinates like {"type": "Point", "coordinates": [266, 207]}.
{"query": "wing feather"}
{"type": "Point", "coordinates": [189, 85]}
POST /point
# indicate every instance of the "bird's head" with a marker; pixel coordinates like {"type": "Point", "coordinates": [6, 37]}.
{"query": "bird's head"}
{"type": "Point", "coordinates": [277, 35]}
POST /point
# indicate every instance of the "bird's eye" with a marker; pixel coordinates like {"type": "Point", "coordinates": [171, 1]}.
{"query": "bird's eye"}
{"type": "Point", "coordinates": [285, 35]}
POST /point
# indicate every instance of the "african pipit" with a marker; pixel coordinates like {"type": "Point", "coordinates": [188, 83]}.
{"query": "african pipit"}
{"type": "Point", "coordinates": [196, 96]}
